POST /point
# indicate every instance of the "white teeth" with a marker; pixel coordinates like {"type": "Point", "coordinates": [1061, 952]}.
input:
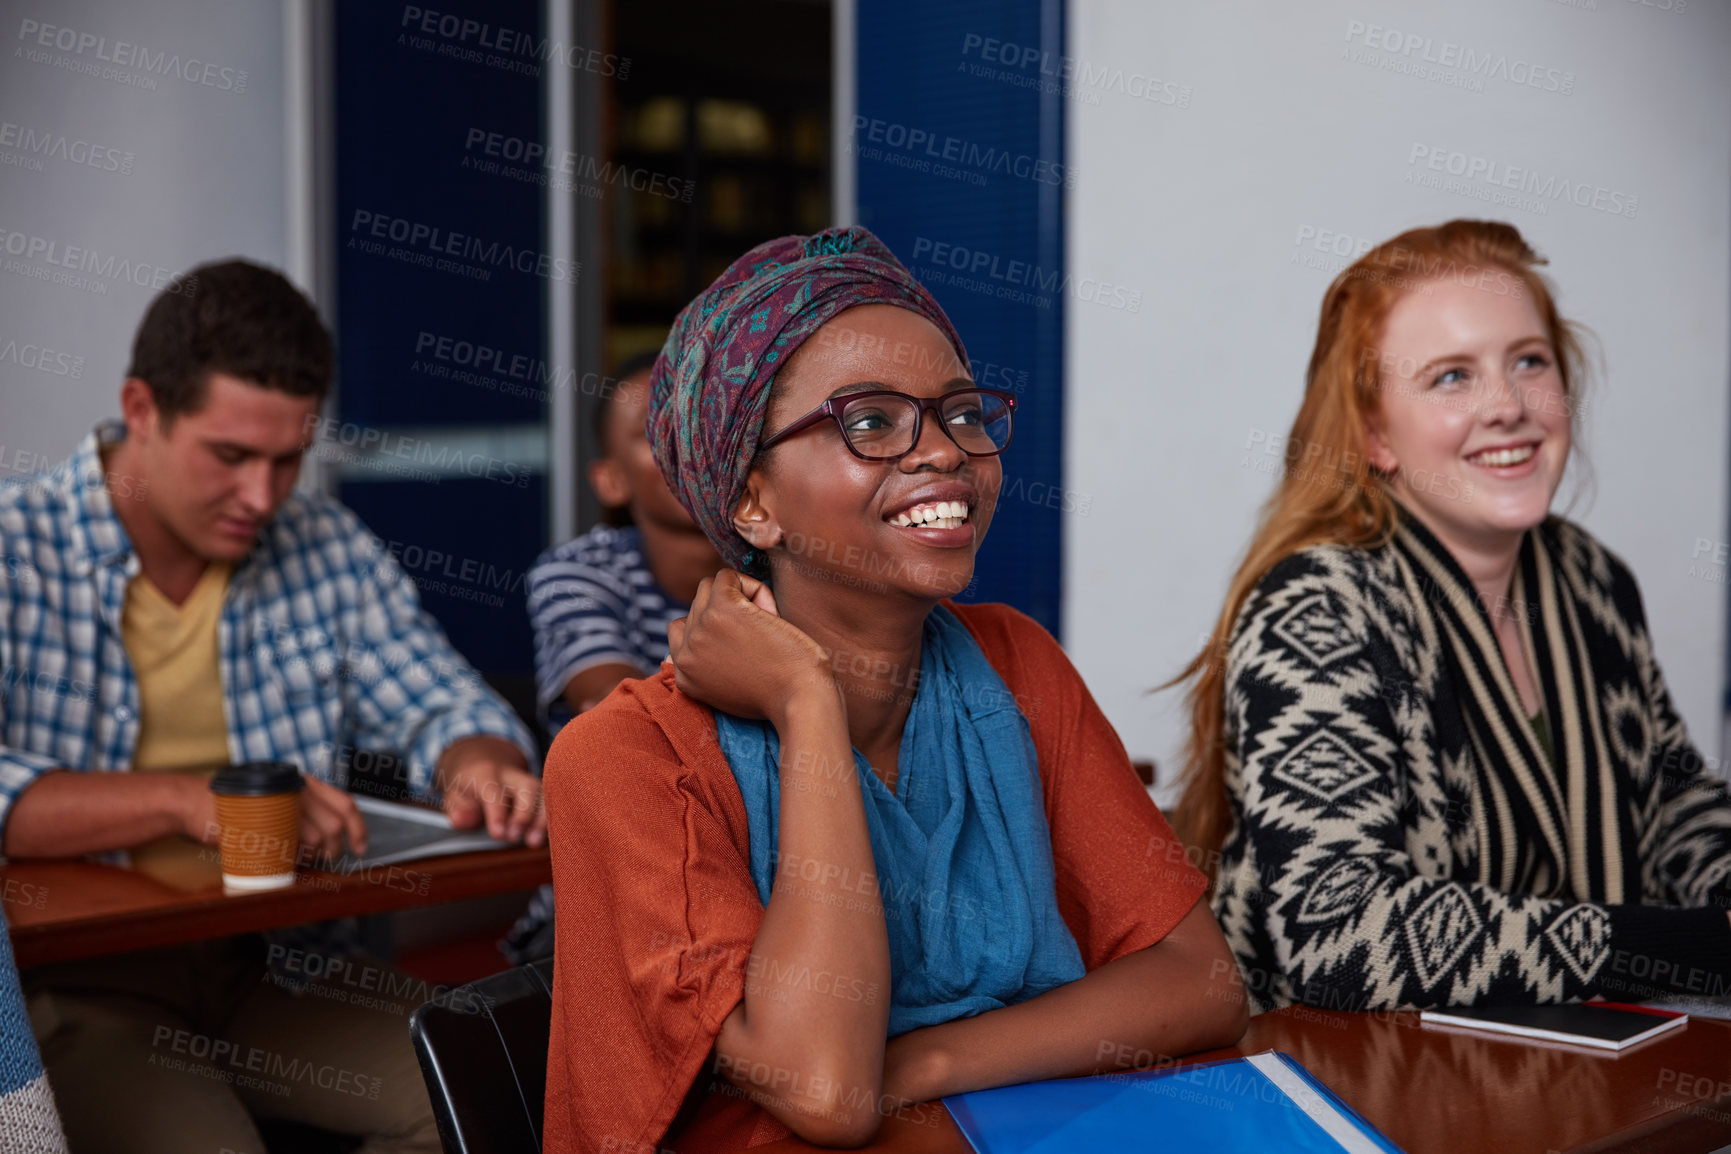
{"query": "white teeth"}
{"type": "Point", "coordinates": [937, 515]}
{"type": "Point", "coordinates": [1499, 458]}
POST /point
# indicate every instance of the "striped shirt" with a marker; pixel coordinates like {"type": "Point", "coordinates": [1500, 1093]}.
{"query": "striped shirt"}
{"type": "Point", "coordinates": [593, 601]}
{"type": "Point", "coordinates": [324, 646]}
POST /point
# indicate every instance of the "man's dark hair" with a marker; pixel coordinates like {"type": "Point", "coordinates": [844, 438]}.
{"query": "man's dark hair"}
{"type": "Point", "coordinates": [629, 367]}
{"type": "Point", "coordinates": [232, 317]}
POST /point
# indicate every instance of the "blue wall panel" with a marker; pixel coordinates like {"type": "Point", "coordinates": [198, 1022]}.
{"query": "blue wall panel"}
{"type": "Point", "coordinates": [477, 593]}
{"type": "Point", "coordinates": [960, 165]}
{"type": "Point", "coordinates": [435, 129]}
{"type": "Point", "coordinates": [413, 186]}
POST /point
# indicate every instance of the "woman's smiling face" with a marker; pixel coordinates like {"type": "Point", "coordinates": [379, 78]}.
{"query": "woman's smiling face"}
{"type": "Point", "coordinates": [1473, 433]}
{"type": "Point", "coordinates": [822, 513]}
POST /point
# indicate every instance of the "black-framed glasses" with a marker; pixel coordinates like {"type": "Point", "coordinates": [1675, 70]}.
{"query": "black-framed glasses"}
{"type": "Point", "coordinates": [883, 424]}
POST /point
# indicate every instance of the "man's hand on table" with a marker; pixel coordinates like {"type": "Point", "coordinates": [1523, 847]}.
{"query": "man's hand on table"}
{"type": "Point", "coordinates": [485, 780]}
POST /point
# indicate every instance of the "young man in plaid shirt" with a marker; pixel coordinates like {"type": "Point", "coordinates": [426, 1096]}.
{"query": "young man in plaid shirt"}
{"type": "Point", "coordinates": [168, 600]}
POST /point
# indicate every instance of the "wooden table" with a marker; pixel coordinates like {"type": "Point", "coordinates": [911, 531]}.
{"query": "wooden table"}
{"type": "Point", "coordinates": [64, 910]}
{"type": "Point", "coordinates": [1448, 1091]}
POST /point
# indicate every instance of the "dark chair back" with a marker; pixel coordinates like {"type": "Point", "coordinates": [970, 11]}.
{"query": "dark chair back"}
{"type": "Point", "coordinates": [483, 1052]}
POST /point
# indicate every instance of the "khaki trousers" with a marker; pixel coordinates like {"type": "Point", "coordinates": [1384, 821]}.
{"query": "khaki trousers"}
{"type": "Point", "coordinates": [179, 1049]}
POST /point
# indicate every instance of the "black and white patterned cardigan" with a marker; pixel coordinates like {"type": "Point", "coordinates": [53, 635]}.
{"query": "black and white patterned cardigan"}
{"type": "Point", "coordinates": [1350, 876]}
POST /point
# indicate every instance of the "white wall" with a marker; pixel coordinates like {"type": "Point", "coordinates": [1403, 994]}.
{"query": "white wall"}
{"type": "Point", "coordinates": [201, 153]}
{"type": "Point", "coordinates": [1288, 132]}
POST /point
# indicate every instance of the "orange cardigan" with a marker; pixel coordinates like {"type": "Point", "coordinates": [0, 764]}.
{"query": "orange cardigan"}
{"type": "Point", "coordinates": [657, 911]}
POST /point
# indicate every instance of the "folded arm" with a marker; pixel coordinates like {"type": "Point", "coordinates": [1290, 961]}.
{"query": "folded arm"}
{"type": "Point", "coordinates": [1178, 996]}
{"type": "Point", "coordinates": [809, 1055]}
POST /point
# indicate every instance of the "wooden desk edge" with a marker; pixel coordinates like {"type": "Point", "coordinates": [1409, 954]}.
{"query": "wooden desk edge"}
{"type": "Point", "coordinates": [1686, 1128]}
{"type": "Point", "coordinates": [449, 879]}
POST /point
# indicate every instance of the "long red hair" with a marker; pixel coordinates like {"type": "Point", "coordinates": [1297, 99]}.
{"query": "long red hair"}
{"type": "Point", "coordinates": [1328, 492]}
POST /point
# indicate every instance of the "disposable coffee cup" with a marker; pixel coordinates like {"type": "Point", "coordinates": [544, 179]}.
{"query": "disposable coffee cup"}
{"type": "Point", "coordinates": [258, 815]}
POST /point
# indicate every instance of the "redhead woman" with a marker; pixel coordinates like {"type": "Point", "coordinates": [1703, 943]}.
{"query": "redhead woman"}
{"type": "Point", "coordinates": [856, 847]}
{"type": "Point", "coordinates": [1433, 754]}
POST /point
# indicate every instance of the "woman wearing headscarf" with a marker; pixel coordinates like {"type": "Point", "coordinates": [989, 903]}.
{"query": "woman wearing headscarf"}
{"type": "Point", "coordinates": [1433, 752]}
{"type": "Point", "coordinates": [856, 847]}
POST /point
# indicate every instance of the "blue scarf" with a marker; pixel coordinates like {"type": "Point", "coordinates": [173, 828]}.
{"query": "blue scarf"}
{"type": "Point", "coordinates": [961, 848]}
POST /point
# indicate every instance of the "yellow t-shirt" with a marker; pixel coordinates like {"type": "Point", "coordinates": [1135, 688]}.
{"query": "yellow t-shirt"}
{"type": "Point", "coordinates": [175, 656]}
{"type": "Point", "coordinates": [173, 648]}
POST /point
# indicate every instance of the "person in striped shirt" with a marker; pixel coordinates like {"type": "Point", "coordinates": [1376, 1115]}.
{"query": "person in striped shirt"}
{"type": "Point", "coordinates": [600, 603]}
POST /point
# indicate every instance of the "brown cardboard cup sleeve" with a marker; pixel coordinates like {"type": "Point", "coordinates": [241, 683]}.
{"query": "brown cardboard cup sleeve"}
{"type": "Point", "coordinates": [258, 814]}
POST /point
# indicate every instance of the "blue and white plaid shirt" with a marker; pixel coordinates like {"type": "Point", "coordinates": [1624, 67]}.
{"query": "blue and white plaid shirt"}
{"type": "Point", "coordinates": [324, 644]}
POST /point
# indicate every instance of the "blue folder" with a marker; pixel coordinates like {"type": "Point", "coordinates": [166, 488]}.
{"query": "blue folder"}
{"type": "Point", "coordinates": [1264, 1102]}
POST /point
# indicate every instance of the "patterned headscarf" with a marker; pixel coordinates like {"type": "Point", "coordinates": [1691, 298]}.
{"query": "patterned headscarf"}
{"type": "Point", "coordinates": [709, 390]}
